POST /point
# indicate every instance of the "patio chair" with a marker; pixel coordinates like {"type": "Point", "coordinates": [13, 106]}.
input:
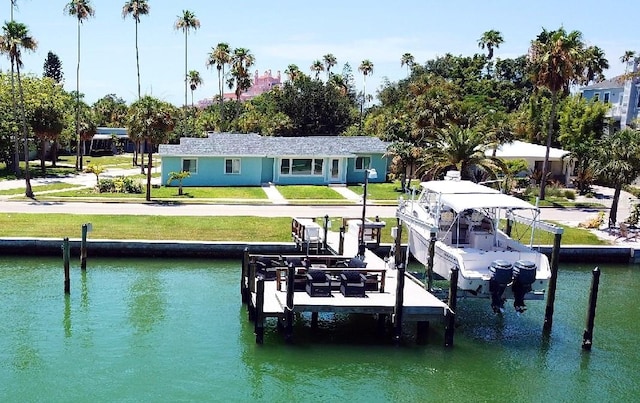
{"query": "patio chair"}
{"type": "Point", "coordinates": [318, 284]}
{"type": "Point", "coordinates": [352, 284]}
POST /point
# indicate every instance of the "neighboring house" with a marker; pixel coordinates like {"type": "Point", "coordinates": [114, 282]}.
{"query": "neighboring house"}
{"type": "Point", "coordinates": [560, 166]}
{"type": "Point", "coordinates": [234, 159]}
{"type": "Point", "coordinates": [260, 85]}
{"type": "Point", "coordinates": [622, 95]}
{"type": "Point", "coordinates": [102, 142]}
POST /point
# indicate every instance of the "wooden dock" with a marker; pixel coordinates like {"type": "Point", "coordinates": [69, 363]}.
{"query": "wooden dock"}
{"type": "Point", "coordinates": [393, 295]}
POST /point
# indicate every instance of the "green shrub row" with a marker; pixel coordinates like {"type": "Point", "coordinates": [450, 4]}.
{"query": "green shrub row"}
{"type": "Point", "coordinates": [119, 184]}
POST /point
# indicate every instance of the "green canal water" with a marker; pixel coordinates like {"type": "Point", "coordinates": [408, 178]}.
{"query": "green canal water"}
{"type": "Point", "coordinates": [175, 330]}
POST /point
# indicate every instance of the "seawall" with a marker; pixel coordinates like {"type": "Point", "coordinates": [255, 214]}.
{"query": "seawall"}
{"type": "Point", "coordinates": [200, 249]}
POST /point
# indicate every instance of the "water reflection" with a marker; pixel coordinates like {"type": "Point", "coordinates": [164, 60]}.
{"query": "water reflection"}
{"type": "Point", "coordinates": [147, 304]}
{"type": "Point", "coordinates": [66, 321]}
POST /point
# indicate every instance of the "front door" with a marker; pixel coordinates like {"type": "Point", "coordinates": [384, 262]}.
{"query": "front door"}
{"type": "Point", "coordinates": [335, 170]}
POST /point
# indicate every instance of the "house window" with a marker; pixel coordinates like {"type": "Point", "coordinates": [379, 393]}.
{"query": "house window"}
{"type": "Point", "coordinates": [301, 166]}
{"type": "Point", "coordinates": [606, 97]}
{"type": "Point", "coordinates": [190, 165]}
{"type": "Point", "coordinates": [232, 166]}
{"type": "Point", "coordinates": [596, 97]}
{"type": "Point", "coordinates": [363, 163]}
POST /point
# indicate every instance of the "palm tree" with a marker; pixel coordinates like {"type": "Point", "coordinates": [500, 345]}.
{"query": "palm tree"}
{"type": "Point", "coordinates": [593, 64]}
{"type": "Point", "coordinates": [241, 61]}
{"type": "Point", "coordinates": [317, 67]}
{"type": "Point", "coordinates": [136, 8]}
{"type": "Point", "coordinates": [490, 39]}
{"type": "Point", "coordinates": [554, 57]}
{"type": "Point", "coordinates": [329, 61]}
{"type": "Point", "coordinates": [82, 10]}
{"type": "Point", "coordinates": [628, 56]}
{"type": "Point", "coordinates": [220, 56]}
{"type": "Point", "coordinates": [16, 139]}
{"type": "Point", "coordinates": [15, 37]}
{"type": "Point", "coordinates": [618, 162]}
{"type": "Point", "coordinates": [366, 68]}
{"type": "Point", "coordinates": [407, 60]}
{"type": "Point", "coordinates": [462, 149]}
{"type": "Point", "coordinates": [194, 82]}
{"type": "Point", "coordinates": [185, 23]}
{"type": "Point", "coordinates": [293, 71]}
{"type": "Point", "coordinates": [152, 120]}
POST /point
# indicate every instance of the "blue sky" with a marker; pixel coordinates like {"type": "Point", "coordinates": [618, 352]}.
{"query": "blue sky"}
{"type": "Point", "coordinates": [282, 32]}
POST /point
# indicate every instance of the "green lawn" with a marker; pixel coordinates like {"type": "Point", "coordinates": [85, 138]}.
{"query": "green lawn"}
{"type": "Point", "coordinates": [248, 193]}
{"type": "Point", "coordinates": [379, 191]}
{"type": "Point", "coordinates": [40, 188]}
{"type": "Point", "coordinates": [303, 192]}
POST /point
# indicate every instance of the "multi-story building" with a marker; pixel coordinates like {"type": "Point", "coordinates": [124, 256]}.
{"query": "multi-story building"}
{"type": "Point", "coordinates": [622, 93]}
{"type": "Point", "coordinates": [260, 85]}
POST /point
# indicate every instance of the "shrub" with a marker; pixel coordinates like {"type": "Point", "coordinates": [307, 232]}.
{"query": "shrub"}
{"type": "Point", "coordinates": [569, 194]}
{"type": "Point", "coordinates": [120, 184]}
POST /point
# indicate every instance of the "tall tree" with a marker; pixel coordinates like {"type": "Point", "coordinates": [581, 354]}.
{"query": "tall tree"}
{"type": "Point", "coordinates": [185, 23]}
{"type": "Point", "coordinates": [408, 60]}
{"type": "Point", "coordinates": [15, 37]}
{"type": "Point", "coordinates": [81, 10]}
{"type": "Point", "coordinates": [594, 63]}
{"type": "Point", "coordinates": [152, 120]}
{"type": "Point", "coordinates": [555, 57]}
{"type": "Point", "coordinates": [241, 61]}
{"type": "Point", "coordinates": [317, 67]}
{"type": "Point", "coordinates": [463, 150]}
{"type": "Point", "coordinates": [136, 8]}
{"type": "Point", "coordinates": [53, 68]}
{"type": "Point", "coordinates": [220, 56]}
{"type": "Point", "coordinates": [329, 61]}
{"type": "Point", "coordinates": [16, 137]}
{"type": "Point", "coordinates": [490, 40]}
{"type": "Point", "coordinates": [194, 82]}
{"type": "Point", "coordinates": [293, 72]}
{"type": "Point", "coordinates": [618, 162]}
{"type": "Point", "coordinates": [628, 56]}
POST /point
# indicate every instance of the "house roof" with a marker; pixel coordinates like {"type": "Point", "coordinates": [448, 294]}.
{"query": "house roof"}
{"type": "Point", "coordinates": [520, 149]}
{"type": "Point", "coordinates": [614, 82]}
{"type": "Point", "coordinates": [237, 144]}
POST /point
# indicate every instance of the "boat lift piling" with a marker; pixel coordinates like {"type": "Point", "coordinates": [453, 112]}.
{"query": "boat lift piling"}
{"type": "Point", "coordinates": [432, 251]}
{"type": "Point", "coordinates": [65, 258]}
{"type": "Point", "coordinates": [399, 262]}
{"type": "Point", "coordinates": [587, 338]}
{"type": "Point", "coordinates": [553, 280]}
{"type": "Point", "coordinates": [288, 309]}
{"type": "Point", "coordinates": [83, 245]}
{"type": "Point", "coordinates": [259, 314]}
{"type": "Point", "coordinates": [451, 312]}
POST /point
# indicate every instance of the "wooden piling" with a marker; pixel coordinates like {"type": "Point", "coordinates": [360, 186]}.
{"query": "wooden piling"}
{"type": "Point", "coordinates": [451, 313]}
{"type": "Point", "coordinates": [430, 262]}
{"type": "Point", "coordinates": [288, 312]}
{"type": "Point", "coordinates": [551, 291]}
{"type": "Point", "coordinates": [243, 275]}
{"type": "Point", "coordinates": [341, 241]}
{"type": "Point", "coordinates": [314, 320]}
{"type": "Point", "coordinates": [83, 247]}
{"type": "Point", "coordinates": [65, 256]}
{"type": "Point", "coordinates": [259, 314]}
{"type": "Point", "coordinates": [397, 321]}
{"type": "Point", "coordinates": [587, 337]}
{"type": "Point", "coordinates": [324, 237]}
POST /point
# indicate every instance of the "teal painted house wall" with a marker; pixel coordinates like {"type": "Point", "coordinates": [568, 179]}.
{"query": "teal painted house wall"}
{"type": "Point", "coordinates": [211, 172]}
{"type": "Point", "coordinates": [378, 162]}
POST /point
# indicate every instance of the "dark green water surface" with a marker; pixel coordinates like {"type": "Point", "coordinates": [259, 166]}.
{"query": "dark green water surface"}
{"type": "Point", "coordinates": [175, 330]}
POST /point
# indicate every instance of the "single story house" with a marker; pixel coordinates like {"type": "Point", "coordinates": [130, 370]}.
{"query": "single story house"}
{"type": "Point", "coordinates": [560, 166]}
{"type": "Point", "coordinates": [102, 142]}
{"type": "Point", "coordinates": [235, 159]}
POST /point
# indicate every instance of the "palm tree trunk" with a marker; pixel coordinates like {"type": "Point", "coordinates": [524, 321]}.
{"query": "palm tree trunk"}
{"type": "Point", "coordinates": [185, 83]}
{"type": "Point", "coordinates": [149, 172]}
{"type": "Point", "coordinates": [613, 213]}
{"type": "Point", "coordinates": [545, 164]}
{"type": "Point", "coordinates": [16, 142]}
{"type": "Point", "coordinates": [137, 59]}
{"type": "Point", "coordinates": [43, 144]}
{"type": "Point", "coordinates": [79, 145]}
{"type": "Point", "coordinates": [143, 146]}
{"type": "Point", "coordinates": [54, 153]}
{"type": "Point", "coordinates": [27, 175]}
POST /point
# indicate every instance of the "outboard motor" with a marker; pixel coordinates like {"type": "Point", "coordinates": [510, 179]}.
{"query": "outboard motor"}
{"type": "Point", "coordinates": [524, 275]}
{"type": "Point", "coordinates": [501, 276]}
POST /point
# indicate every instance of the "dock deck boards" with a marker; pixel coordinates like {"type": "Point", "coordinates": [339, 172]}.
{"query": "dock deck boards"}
{"type": "Point", "coordinates": [418, 303]}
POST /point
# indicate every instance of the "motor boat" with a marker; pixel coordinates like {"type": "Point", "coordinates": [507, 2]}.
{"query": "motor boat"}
{"type": "Point", "coordinates": [466, 219]}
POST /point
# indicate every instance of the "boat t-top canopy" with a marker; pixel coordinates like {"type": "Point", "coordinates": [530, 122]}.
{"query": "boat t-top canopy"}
{"type": "Point", "coordinates": [465, 195]}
